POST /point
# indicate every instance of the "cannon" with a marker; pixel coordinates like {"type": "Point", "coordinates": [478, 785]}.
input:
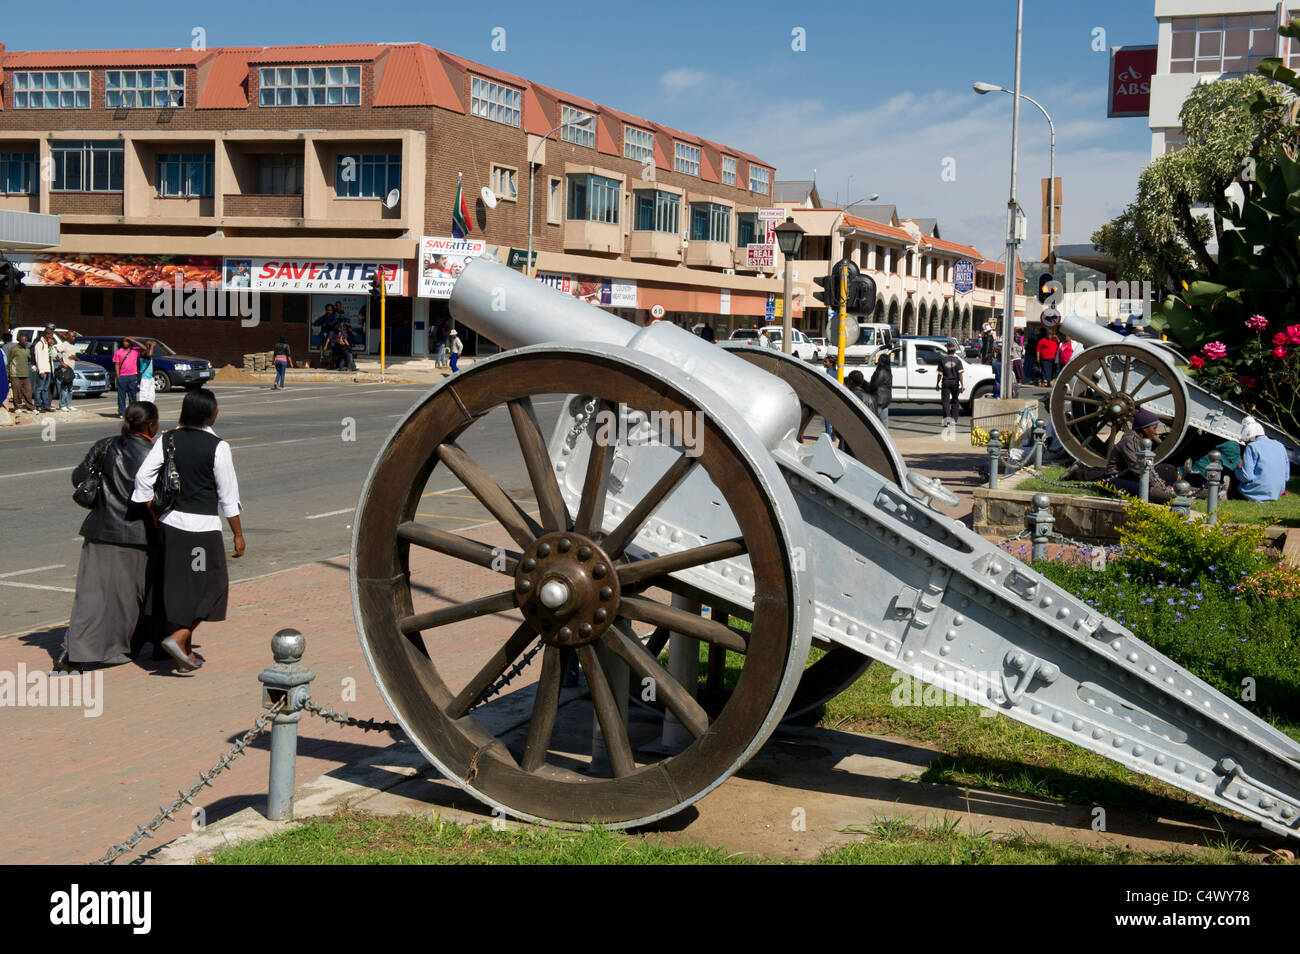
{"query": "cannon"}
{"type": "Point", "coordinates": [1096, 394]}
{"type": "Point", "coordinates": [673, 479]}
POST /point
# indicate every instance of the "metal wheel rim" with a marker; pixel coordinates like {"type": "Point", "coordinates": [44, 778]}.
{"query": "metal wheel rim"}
{"type": "Point", "coordinates": [865, 439]}
{"type": "Point", "coordinates": [1079, 401]}
{"type": "Point", "coordinates": [465, 751]}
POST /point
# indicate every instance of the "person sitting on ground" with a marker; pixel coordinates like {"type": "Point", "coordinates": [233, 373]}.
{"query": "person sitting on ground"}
{"type": "Point", "coordinates": [1229, 457]}
{"type": "Point", "coordinates": [1264, 467]}
{"type": "Point", "coordinates": [1124, 466]}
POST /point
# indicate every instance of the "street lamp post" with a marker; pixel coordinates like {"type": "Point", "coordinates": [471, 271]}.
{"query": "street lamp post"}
{"type": "Point", "coordinates": [1009, 298]}
{"type": "Point", "coordinates": [983, 88]}
{"type": "Point", "coordinates": [789, 237]}
{"type": "Point", "coordinates": [585, 123]}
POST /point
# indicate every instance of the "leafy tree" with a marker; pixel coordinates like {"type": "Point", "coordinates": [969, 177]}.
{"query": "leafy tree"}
{"type": "Point", "coordinates": [1159, 238]}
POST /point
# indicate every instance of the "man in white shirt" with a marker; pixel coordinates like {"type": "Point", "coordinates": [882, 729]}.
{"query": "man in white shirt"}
{"type": "Point", "coordinates": [65, 353]}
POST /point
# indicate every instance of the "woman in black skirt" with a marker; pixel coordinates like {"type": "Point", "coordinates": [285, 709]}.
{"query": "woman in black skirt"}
{"type": "Point", "coordinates": [194, 583]}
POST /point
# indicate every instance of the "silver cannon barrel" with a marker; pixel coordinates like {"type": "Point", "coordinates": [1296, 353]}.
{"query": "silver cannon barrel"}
{"type": "Point", "coordinates": [1095, 396]}
{"type": "Point", "coordinates": [798, 541]}
{"type": "Point", "coordinates": [490, 298]}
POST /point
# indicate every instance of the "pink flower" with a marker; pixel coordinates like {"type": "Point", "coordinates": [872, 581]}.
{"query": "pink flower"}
{"type": "Point", "coordinates": [1279, 352]}
{"type": "Point", "coordinates": [1196, 362]}
{"type": "Point", "coordinates": [1256, 322]}
{"type": "Point", "coordinates": [1280, 339]}
{"type": "Point", "coordinates": [1293, 334]}
{"type": "Point", "coordinates": [1217, 349]}
{"type": "Point", "coordinates": [1246, 381]}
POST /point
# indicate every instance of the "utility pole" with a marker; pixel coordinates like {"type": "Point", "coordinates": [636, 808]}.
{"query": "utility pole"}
{"type": "Point", "coordinates": [1009, 300]}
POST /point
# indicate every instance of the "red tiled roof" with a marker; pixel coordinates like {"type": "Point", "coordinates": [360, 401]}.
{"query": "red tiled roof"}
{"type": "Point", "coordinates": [414, 76]}
{"type": "Point", "coordinates": [318, 53]}
{"type": "Point", "coordinates": [968, 250]}
{"type": "Point", "coordinates": [72, 59]}
{"type": "Point", "coordinates": [878, 228]}
{"type": "Point", "coordinates": [223, 80]}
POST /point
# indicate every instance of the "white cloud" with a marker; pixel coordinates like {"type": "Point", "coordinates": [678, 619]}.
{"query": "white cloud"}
{"type": "Point", "coordinates": [682, 79]}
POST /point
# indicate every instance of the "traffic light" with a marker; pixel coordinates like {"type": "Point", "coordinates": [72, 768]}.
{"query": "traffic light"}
{"type": "Point", "coordinates": [1049, 289]}
{"type": "Point", "coordinates": [830, 293]}
{"type": "Point", "coordinates": [11, 279]}
{"type": "Point", "coordinates": [862, 296]}
{"type": "Point", "coordinates": [830, 296]}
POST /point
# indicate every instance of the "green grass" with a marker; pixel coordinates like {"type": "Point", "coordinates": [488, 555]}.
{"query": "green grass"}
{"type": "Point", "coordinates": [353, 837]}
{"type": "Point", "coordinates": [1283, 512]}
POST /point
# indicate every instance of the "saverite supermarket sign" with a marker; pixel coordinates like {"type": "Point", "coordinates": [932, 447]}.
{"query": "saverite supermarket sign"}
{"type": "Point", "coordinates": [308, 275]}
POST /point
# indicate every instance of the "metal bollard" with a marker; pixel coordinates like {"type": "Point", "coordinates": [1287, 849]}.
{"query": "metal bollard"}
{"type": "Point", "coordinates": [1040, 523]}
{"type": "Point", "coordinates": [1213, 482]}
{"type": "Point", "coordinates": [1040, 439]}
{"type": "Point", "coordinates": [287, 679]}
{"type": "Point", "coordinates": [1146, 460]}
{"type": "Point", "coordinates": [1183, 501]}
{"type": "Point", "coordinates": [995, 454]}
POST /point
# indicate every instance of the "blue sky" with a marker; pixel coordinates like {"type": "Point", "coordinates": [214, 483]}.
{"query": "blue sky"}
{"type": "Point", "coordinates": [881, 92]}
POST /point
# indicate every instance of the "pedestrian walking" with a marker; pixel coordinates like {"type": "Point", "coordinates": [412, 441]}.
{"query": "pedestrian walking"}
{"type": "Point", "coordinates": [1048, 346]}
{"type": "Point", "coordinates": [126, 366]}
{"type": "Point", "coordinates": [65, 370]}
{"type": "Point", "coordinates": [1018, 357]}
{"type": "Point", "coordinates": [42, 372]}
{"type": "Point", "coordinates": [1064, 351]}
{"type": "Point", "coordinates": [19, 365]}
{"type": "Point", "coordinates": [951, 383]}
{"type": "Point", "coordinates": [764, 341]}
{"type": "Point", "coordinates": [194, 583]}
{"type": "Point", "coordinates": [986, 344]}
{"type": "Point", "coordinates": [118, 543]}
{"type": "Point", "coordinates": [455, 347]}
{"type": "Point", "coordinates": [282, 357]}
{"type": "Point", "coordinates": [441, 361]}
{"type": "Point", "coordinates": [881, 387]}
{"type": "Point", "coordinates": [146, 370]}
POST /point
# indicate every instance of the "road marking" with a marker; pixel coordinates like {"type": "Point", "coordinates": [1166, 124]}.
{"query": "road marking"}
{"type": "Point", "coordinates": [36, 586]}
{"type": "Point", "coordinates": [33, 473]}
{"type": "Point", "coordinates": [332, 513]}
{"type": "Point", "coordinates": [35, 569]}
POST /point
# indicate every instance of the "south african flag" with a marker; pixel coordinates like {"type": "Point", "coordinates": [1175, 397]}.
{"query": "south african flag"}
{"type": "Point", "coordinates": [460, 226]}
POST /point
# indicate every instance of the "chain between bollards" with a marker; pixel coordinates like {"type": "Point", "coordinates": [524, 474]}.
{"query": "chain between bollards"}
{"type": "Point", "coordinates": [287, 681]}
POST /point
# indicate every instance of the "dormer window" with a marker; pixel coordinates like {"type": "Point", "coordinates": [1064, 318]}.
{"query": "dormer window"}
{"type": "Point", "coordinates": [494, 101]}
{"type": "Point", "coordinates": [570, 132]}
{"type": "Point", "coordinates": [309, 86]}
{"type": "Point", "coordinates": [144, 89]}
{"type": "Point", "coordinates": [68, 89]}
{"type": "Point", "coordinates": [686, 158]}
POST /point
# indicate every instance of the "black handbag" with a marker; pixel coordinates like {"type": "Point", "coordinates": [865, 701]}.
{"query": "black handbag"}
{"type": "Point", "coordinates": [167, 486]}
{"type": "Point", "coordinates": [87, 491]}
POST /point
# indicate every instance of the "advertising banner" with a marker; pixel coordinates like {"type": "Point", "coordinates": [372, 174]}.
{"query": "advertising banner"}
{"type": "Point", "coordinates": [69, 270]}
{"type": "Point", "coordinates": [760, 256]}
{"type": "Point", "coordinates": [441, 260]}
{"type": "Point", "coordinates": [609, 293]}
{"type": "Point", "coordinates": [308, 275]}
{"type": "Point", "coordinates": [1131, 69]}
{"type": "Point", "coordinates": [333, 313]}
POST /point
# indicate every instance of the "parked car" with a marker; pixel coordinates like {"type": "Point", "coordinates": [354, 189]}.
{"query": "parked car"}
{"type": "Point", "coordinates": [169, 368]}
{"type": "Point", "coordinates": [916, 374]}
{"type": "Point", "coordinates": [88, 379]}
{"type": "Point", "coordinates": [801, 346]}
{"type": "Point", "coordinates": [872, 338]}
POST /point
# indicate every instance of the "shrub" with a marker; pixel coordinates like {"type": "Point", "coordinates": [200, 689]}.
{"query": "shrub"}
{"type": "Point", "coordinates": [1160, 545]}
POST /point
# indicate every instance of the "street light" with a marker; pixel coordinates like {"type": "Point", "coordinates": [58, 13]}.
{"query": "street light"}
{"type": "Point", "coordinates": [587, 122]}
{"type": "Point", "coordinates": [983, 88]}
{"type": "Point", "coordinates": [789, 237]}
{"type": "Point", "coordinates": [870, 198]}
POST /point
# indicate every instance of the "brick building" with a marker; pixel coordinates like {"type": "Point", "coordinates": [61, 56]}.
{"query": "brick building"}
{"type": "Point", "coordinates": [206, 167]}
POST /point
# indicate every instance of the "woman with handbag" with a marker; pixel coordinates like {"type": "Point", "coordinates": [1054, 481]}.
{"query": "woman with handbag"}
{"type": "Point", "coordinates": [113, 575]}
{"type": "Point", "coordinates": [189, 481]}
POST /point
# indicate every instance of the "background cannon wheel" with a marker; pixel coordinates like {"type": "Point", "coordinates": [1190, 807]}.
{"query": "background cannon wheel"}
{"type": "Point", "coordinates": [569, 587]}
{"type": "Point", "coordinates": [1096, 395]}
{"type": "Point", "coordinates": [863, 438]}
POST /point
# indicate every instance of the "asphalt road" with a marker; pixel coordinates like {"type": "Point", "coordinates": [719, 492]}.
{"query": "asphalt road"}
{"type": "Point", "coordinates": [299, 475]}
{"type": "Point", "coordinates": [299, 480]}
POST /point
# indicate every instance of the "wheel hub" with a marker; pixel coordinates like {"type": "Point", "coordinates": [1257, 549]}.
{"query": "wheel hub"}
{"type": "Point", "coordinates": [567, 589]}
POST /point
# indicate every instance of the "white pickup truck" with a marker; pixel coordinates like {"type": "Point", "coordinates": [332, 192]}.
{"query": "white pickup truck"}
{"type": "Point", "coordinates": [871, 339]}
{"type": "Point", "coordinates": [801, 346]}
{"type": "Point", "coordinates": [916, 374]}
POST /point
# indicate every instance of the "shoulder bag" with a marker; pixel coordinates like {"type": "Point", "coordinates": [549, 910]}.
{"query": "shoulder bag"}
{"type": "Point", "coordinates": [167, 486]}
{"type": "Point", "coordinates": [87, 491]}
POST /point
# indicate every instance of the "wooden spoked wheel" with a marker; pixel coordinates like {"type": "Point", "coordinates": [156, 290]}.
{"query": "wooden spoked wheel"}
{"type": "Point", "coordinates": [862, 437]}
{"type": "Point", "coordinates": [566, 585]}
{"type": "Point", "coordinates": [1096, 395]}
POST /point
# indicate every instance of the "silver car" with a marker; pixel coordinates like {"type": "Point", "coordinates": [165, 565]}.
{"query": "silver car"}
{"type": "Point", "coordinates": [89, 379]}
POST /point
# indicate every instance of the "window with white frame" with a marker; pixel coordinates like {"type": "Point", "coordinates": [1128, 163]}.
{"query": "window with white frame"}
{"type": "Point", "coordinates": [686, 158]}
{"type": "Point", "coordinates": [66, 89]}
{"type": "Point", "coordinates": [657, 211]}
{"type": "Point", "coordinates": [87, 165]}
{"type": "Point", "coordinates": [18, 173]}
{"type": "Point", "coordinates": [367, 176]}
{"type": "Point", "coordinates": [571, 132]}
{"type": "Point", "coordinates": [1221, 44]}
{"type": "Point", "coordinates": [710, 222]}
{"type": "Point", "coordinates": [759, 179]}
{"type": "Point", "coordinates": [309, 86]}
{"type": "Point", "coordinates": [144, 89]}
{"type": "Point", "coordinates": [554, 198]}
{"type": "Point", "coordinates": [494, 101]}
{"type": "Point", "coordinates": [594, 198]}
{"type": "Point", "coordinates": [638, 144]}
{"type": "Point", "coordinates": [184, 175]}
{"type": "Point", "coordinates": [503, 182]}
{"type": "Point", "coordinates": [728, 170]}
